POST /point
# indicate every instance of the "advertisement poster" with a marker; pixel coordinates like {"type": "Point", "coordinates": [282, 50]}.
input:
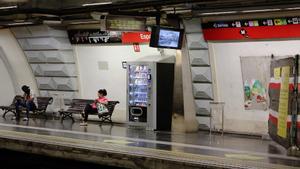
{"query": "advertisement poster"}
{"type": "Point", "coordinates": [256, 76]}
{"type": "Point", "coordinates": [283, 102]}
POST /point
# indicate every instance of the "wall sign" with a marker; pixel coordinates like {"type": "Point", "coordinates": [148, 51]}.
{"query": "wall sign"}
{"type": "Point", "coordinates": [252, 29]}
{"type": "Point", "coordinates": [93, 36]}
{"type": "Point", "coordinates": [136, 47]}
{"type": "Point", "coordinates": [121, 23]}
{"type": "Point", "coordinates": [136, 37]}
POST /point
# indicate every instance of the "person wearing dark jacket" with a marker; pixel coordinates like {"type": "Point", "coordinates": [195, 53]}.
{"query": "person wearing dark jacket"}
{"type": "Point", "coordinates": [27, 102]}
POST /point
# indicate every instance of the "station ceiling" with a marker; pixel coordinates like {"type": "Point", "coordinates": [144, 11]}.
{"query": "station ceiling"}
{"type": "Point", "coordinates": [66, 10]}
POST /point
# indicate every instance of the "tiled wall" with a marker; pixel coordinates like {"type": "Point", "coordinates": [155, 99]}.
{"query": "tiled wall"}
{"type": "Point", "coordinates": [200, 66]}
{"type": "Point", "coordinates": [51, 57]}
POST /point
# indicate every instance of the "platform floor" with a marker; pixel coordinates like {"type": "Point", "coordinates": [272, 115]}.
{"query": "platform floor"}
{"type": "Point", "coordinates": [244, 150]}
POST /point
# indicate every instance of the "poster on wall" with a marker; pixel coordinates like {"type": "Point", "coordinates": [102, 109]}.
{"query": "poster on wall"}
{"type": "Point", "coordinates": [256, 76]}
{"type": "Point", "coordinates": [93, 36]}
{"type": "Point", "coordinates": [283, 107]}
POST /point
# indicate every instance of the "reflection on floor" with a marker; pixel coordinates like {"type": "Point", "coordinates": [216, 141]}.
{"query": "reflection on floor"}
{"type": "Point", "coordinates": [228, 146]}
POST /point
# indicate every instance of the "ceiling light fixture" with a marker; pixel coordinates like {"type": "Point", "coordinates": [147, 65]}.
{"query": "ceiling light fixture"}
{"type": "Point", "coordinates": [20, 23]}
{"type": "Point", "coordinates": [294, 8]}
{"type": "Point", "coordinates": [179, 11]}
{"type": "Point", "coordinates": [218, 13]}
{"type": "Point", "coordinates": [260, 10]}
{"type": "Point", "coordinates": [52, 22]}
{"type": "Point", "coordinates": [97, 3]}
{"type": "Point", "coordinates": [82, 22]}
{"type": "Point", "coordinates": [8, 7]}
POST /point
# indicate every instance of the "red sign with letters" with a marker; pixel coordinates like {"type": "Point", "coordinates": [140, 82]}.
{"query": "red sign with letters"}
{"type": "Point", "coordinates": [136, 37]}
{"type": "Point", "coordinates": [252, 29]}
{"type": "Point", "coordinates": [136, 47]}
{"type": "Point", "coordinates": [247, 33]}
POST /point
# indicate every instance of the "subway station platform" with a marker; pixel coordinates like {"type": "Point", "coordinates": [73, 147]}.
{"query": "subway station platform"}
{"type": "Point", "coordinates": [121, 146]}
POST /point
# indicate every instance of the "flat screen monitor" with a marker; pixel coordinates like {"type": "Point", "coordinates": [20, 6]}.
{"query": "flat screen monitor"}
{"type": "Point", "coordinates": [166, 37]}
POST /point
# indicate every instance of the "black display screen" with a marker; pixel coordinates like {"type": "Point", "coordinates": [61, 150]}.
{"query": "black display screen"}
{"type": "Point", "coordinates": [166, 38]}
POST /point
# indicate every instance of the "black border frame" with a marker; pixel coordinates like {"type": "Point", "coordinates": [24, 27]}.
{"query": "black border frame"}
{"type": "Point", "coordinates": [155, 37]}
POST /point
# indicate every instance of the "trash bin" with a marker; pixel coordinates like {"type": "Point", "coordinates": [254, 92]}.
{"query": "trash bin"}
{"type": "Point", "coordinates": [216, 120]}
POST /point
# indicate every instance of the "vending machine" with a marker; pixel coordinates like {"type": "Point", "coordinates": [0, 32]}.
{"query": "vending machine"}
{"type": "Point", "coordinates": [150, 84]}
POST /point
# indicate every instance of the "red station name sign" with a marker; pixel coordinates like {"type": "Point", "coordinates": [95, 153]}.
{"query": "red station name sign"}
{"type": "Point", "coordinates": [136, 37]}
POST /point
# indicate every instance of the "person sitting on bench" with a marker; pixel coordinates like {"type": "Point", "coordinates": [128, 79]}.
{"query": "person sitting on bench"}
{"type": "Point", "coordinates": [27, 102]}
{"type": "Point", "coordinates": [92, 108]}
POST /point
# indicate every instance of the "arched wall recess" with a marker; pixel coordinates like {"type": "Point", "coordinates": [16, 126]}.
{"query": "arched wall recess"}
{"type": "Point", "coordinates": [9, 69]}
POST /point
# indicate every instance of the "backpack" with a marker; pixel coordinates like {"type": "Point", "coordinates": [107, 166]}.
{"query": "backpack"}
{"type": "Point", "coordinates": [101, 108]}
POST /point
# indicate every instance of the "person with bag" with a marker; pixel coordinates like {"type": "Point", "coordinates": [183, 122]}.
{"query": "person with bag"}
{"type": "Point", "coordinates": [27, 101]}
{"type": "Point", "coordinates": [99, 106]}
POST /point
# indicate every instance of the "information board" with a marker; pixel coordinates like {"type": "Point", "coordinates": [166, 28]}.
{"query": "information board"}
{"type": "Point", "coordinates": [93, 36]}
{"type": "Point", "coordinates": [119, 23]}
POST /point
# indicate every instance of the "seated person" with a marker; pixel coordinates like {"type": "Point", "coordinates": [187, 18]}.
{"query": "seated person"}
{"type": "Point", "coordinates": [92, 108]}
{"type": "Point", "coordinates": [27, 101]}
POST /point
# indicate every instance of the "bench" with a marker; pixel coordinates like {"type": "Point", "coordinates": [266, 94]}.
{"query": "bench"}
{"type": "Point", "coordinates": [12, 107]}
{"type": "Point", "coordinates": [42, 102]}
{"type": "Point", "coordinates": [77, 106]}
{"type": "Point", "coordinates": [106, 117]}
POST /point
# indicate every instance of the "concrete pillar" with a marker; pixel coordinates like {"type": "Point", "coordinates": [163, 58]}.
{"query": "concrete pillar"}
{"type": "Point", "coordinates": [190, 121]}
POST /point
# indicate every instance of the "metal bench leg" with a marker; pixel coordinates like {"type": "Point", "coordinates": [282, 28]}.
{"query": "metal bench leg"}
{"type": "Point", "coordinates": [44, 114]}
{"type": "Point", "coordinates": [65, 115]}
{"type": "Point", "coordinates": [71, 116]}
{"type": "Point", "coordinates": [39, 113]}
{"type": "Point", "coordinates": [101, 120]}
{"type": "Point", "coordinates": [110, 121]}
{"type": "Point", "coordinates": [106, 119]}
{"type": "Point", "coordinates": [7, 111]}
{"type": "Point", "coordinates": [62, 117]}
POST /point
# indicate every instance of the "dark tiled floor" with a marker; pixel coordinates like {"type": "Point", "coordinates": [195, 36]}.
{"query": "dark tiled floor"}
{"type": "Point", "coordinates": [196, 143]}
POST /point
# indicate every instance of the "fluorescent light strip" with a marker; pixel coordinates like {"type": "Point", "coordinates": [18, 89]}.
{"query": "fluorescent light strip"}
{"type": "Point", "coordinates": [294, 8]}
{"type": "Point", "coordinates": [260, 10]}
{"type": "Point", "coordinates": [217, 13]}
{"type": "Point", "coordinates": [179, 11]}
{"type": "Point", "coordinates": [82, 22]}
{"type": "Point", "coordinates": [97, 3]}
{"type": "Point", "coordinates": [8, 7]}
{"type": "Point", "coordinates": [20, 23]}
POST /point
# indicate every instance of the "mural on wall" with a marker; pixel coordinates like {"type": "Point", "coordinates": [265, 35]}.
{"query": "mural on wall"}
{"type": "Point", "coordinates": [255, 73]}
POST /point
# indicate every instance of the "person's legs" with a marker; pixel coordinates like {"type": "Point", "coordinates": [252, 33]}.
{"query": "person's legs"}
{"type": "Point", "coordinates": [87, 110]}
{"type": "Point", "coordinates": [19, 103]}
{"type": "Point", "coordinates": [29, 107]}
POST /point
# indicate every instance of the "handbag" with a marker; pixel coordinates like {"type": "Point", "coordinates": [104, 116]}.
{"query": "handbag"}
{"type": "Point", "coordinates": [101, 108]}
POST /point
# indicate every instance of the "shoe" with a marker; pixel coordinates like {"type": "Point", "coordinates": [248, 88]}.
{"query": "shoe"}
{"type": "Point", "coordinates": [25, 119]}
{"type": "Point", "coordinates": [82, 116]}
{"type": "Point", "coordinates": [83, 124]}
